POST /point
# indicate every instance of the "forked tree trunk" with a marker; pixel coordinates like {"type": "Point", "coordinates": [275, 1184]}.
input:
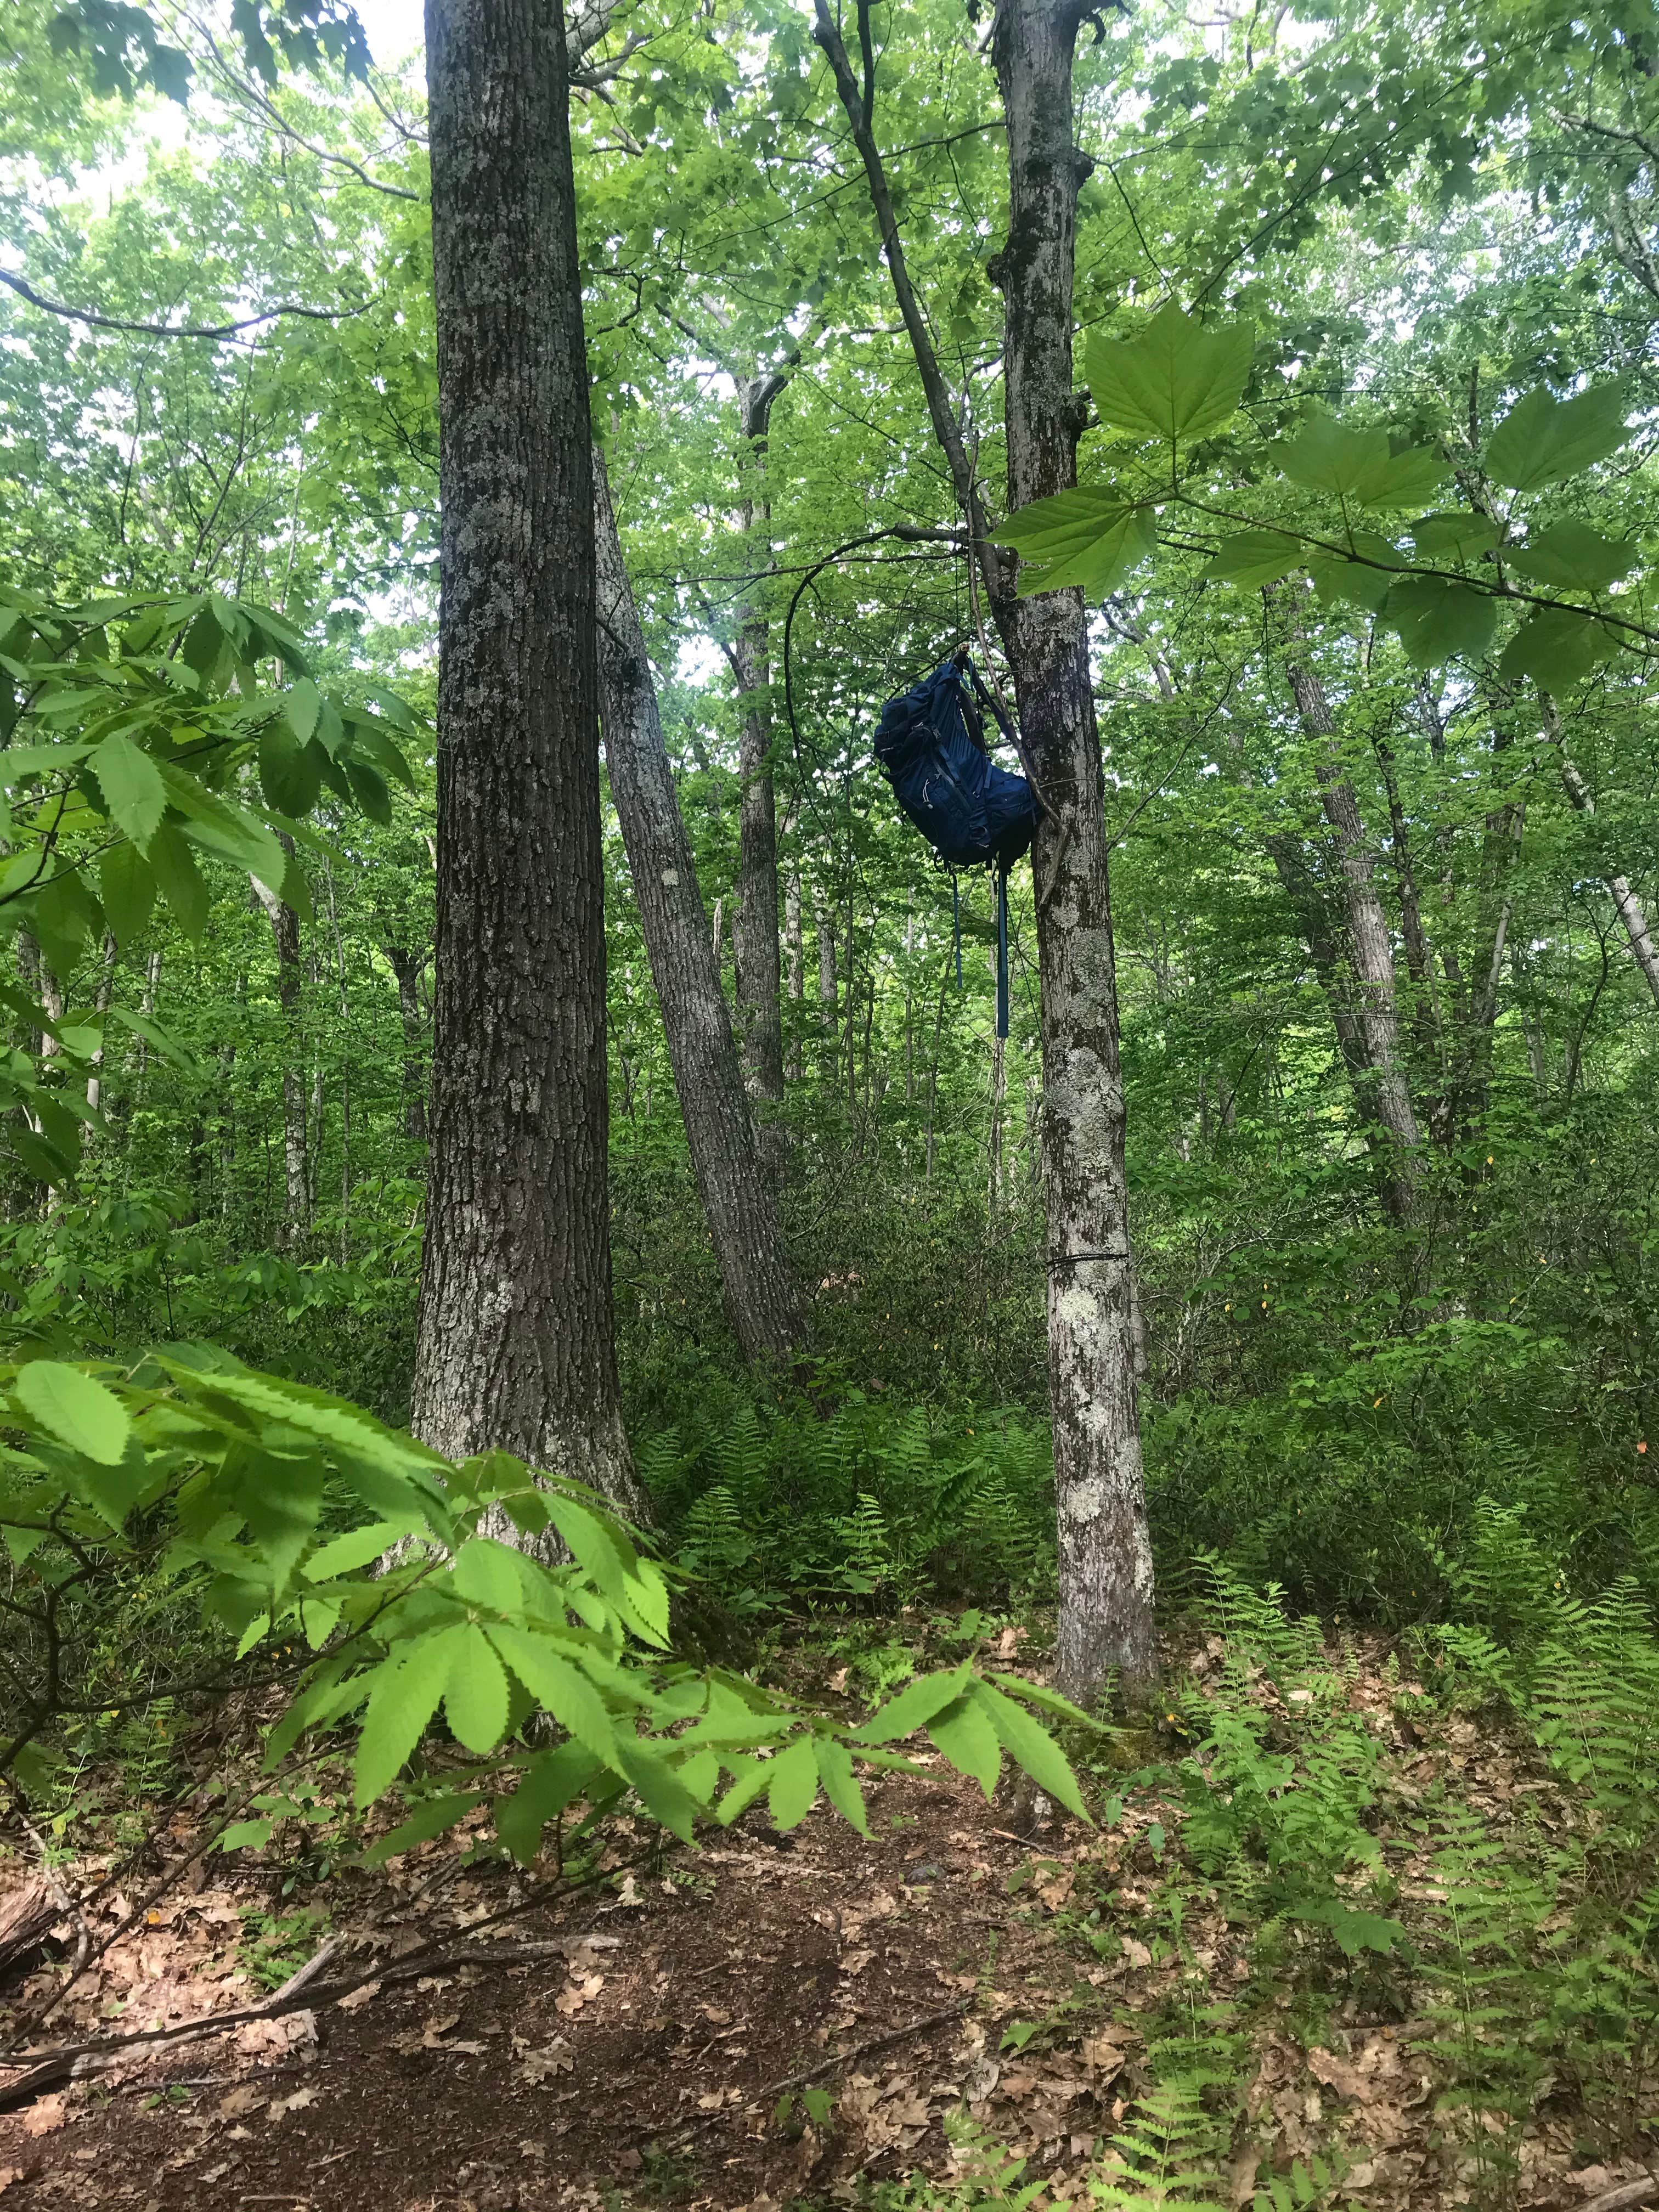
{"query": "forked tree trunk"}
{"type": "Point", "coordinates": [1105, 1551]}
{"type": "Point", "coordinates": [515, 1345]}
{"type": "Point", "coordinates": [762, 1294]}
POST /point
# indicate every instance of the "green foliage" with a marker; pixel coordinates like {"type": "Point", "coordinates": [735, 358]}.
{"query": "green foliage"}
{"type": "Point", "coordinates": [236, 1484]}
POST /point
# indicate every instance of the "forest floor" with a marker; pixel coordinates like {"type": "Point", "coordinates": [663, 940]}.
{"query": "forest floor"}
{"type": "Point", "coordinates": [763, 2021]}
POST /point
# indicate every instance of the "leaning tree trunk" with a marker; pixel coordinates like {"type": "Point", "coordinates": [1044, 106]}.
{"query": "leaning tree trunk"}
{"type": "Point", "coordinates": [762, 1294]}
{"type": "Point", "coordinates": [515, 1346]}
{"type": "Point", "coordinates": [1105, 1551]}
{"type": "Point", "coordinates": [1632, 914]}
{"type": "Point", "coordinates": [1369, 941]}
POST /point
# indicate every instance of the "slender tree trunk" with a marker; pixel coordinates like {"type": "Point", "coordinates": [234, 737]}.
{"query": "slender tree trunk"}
{"type": "Point", "coordinates": [795, 942]}
{"type": "Point", "coordinates": [1390, 1097]}
{"type": "Point", "coordinates": [755, 932]}
{"type": "Point", "coordinates": [406, 968]}
{"type": "Point", "coordinates": [1105, 1551]}
{"type": "Point", "coordinates": [762, 1294]}
{"type": "Point", "coordinates": [100, 1003]}
{"type": "Point", "coordinates": [829, 1017]}
{"type": "Point", "coordinates": [1632, 913]}
{"type": "Point", "coordinates": [515, 1343]}
{"type": "Point", "coordinates": [296, 1171]}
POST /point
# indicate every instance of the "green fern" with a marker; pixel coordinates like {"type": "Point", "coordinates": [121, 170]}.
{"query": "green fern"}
{"type": "Point", "coordinates": [1163, 2157]}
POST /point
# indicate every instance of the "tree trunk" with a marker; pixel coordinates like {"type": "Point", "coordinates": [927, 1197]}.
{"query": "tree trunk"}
{"type": "Point", "coordinates": [755, 933]}
{"type": "Point", "coordinates": [1105, 1551]}
{"type": "Point", "coordinates": [829, 995]}
{"type": "Point", "coordinates": [406, 966]}
{"type": "Point", "coordinates": [101, 1005]}
{"type": "Point", "coordinates": [795, 941]}
{"type": "Point", "coordinates": [762, 1294]}
{"type": "Point", "coordinates": [515, 1345]}
{"type": "Point", "coordinates": [1389, 1091]}
{"type": "Point", "coordinates": [296, 1176]}
{"type": "Point", "coordinates": [1632, 913]}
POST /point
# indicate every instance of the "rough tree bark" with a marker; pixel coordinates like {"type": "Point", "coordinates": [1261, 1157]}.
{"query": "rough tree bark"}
{"type": "Point", "coordinates": [762, 1294]}
{"type": "Point", "coordinates": [1105, 1551]}
{"type": "Point", "coordinates": [515, 1346]}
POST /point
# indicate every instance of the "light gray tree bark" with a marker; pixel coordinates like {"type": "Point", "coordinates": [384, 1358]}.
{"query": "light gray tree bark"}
{"type": "Point", "coordinates": [762, 1294]}
{"type": "Point", "coordinates": [1106, 1621]}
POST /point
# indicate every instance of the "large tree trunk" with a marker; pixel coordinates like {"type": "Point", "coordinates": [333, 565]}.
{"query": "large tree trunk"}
{"type": "Point", "coordinates": [1105, 1551]}
{"type": "Point", "coordinates": [762, 1294]}
{"type": "Point", "coordinates": [515, 1345]}
{"type": "Point", "coordinates": [296, 1167]}
{"type": "Point", "coordinates": [1388, 1090]}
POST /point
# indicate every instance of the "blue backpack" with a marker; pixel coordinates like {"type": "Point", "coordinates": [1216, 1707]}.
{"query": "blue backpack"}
{"type": "Point", "coordinates": [931, 740]}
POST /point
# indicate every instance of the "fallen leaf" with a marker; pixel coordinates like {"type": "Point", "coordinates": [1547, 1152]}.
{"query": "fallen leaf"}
{"type": "Point", "coordinates": [356, 1999]}
{"type": "Point", "coordinates": [45, 2115]}
{"type": "Point", "coordinates": [716, 2017]}
{"type": "Point", "coordinates": [1336, 2073]}
{"type": "Point", "coordinates": [7, 2175]}
{"type": "Point", "coordinates": [1136, 1953]}
{"type": "Point", "coordinates": [437, 2027]}
{"type": "Point", "coordinates": [280, 2106]}
{"type": "Point", "coordinates": [856, 1961]}
{"type": "Point", "coordinates": [246, 2098]}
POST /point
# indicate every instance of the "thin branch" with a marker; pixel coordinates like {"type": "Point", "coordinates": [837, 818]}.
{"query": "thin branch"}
{"type": "Point", "coordinates": [176, 330]}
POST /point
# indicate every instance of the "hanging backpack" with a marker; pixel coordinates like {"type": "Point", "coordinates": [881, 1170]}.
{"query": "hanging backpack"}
{"type": "Point", "coordinates": [931, 740]}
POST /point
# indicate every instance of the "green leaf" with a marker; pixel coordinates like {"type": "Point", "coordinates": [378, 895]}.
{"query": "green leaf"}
{"type": "Point", "coordinates": [1440, 621]}
{"type": "Point", "coordinates": [1179, 379]}
{"type": "Point", "coordinates": [345, 1555]}
{"type": "Point", "coordinates": [1364, 582]}
{"type": "Point", "coordinates": [1461, 537]}
{"type": "Point", "coordinates": [126, 884]}
{"type": "Point", "coordinates": [841, 1784]}
{"type": "Point", "coordinates": [475, 1698]}
{"type": "Point", "coordinates": [226, 831]}
{"type": "Point", "coordinates": [560, 1688]}
{"type": "Point", "coordinates": [1572, 558]}
{"type": "Point", "coordinates": [1083, 540]}
{"type": "Point", "coordinates": [180, 880]}
{"type": "Point", "coordinates": [1557, 646]}
{"type": "Point", "coordinates": [302, 707]}
{"type": "Point", "coordinates": [1255, 557]}
{"type": "Point", "coordinates": [369, 788]}
{"type": "Point", "coordinates": [914, 1706]}
{"type": "Point", "coordinates": [1354, 1932]}
{"type": "Point", "coordinates": [76, 1408]}
{"type": "Point", "coordinates": [792, 1783]}
{"type": "Point", "coordinates": [486, 1573]}
{"type": "Point", "coordinates": [661, 1791]}
{"type": "Point", "coordinates": [1030, 1746]}
{"type": "Point", "coordinates": [434, 1818]}
{"type": "Point", "coordinates": [1542, 440]}
{"type": "Point", "coordinates": [1359, 465]}
{"type": "Point", "coordinates": [290, 773]}
{"type": "Point", "coordinates": [132, 787]}
{"type": "Point", "coordinates": [964, 1734]}
{"type": "Point", "coordinates": [404, 1698]}
{"type": "Point", "coordinates": [549, 1783]}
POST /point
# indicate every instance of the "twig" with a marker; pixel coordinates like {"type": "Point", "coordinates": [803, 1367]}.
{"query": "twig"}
{"type": "Point", "coordinates": [27, 291]}
{"type": "Point", "coordinates": [830, 2065]}
{"type": "Point", "coordinates": [1626, 2194]}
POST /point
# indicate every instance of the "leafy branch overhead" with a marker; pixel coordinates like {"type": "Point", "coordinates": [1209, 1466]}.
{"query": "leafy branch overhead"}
{"type": "Point", "coordinates": [1322, 503]}
{"type": "Point", "coordinates": [144, 738]}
